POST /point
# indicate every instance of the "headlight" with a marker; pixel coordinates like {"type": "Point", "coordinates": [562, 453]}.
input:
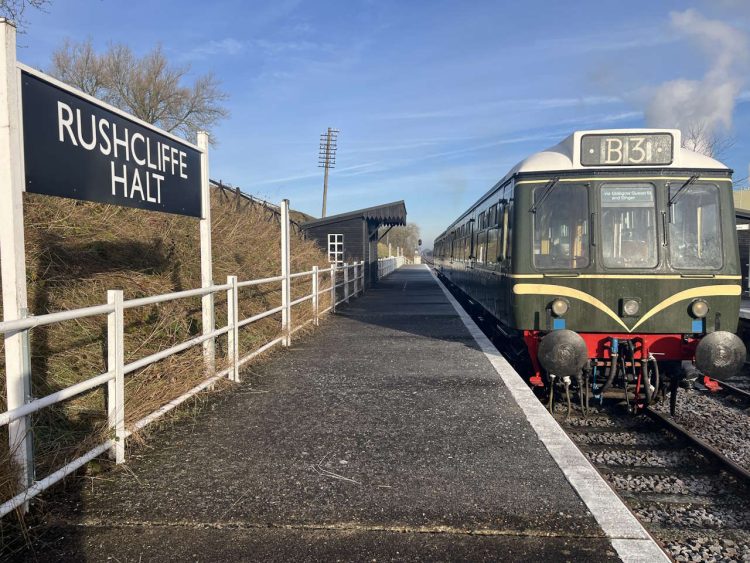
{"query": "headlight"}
{"type": "Point", "coordinates": [699, 308]}
{"type": "Point", "coordinates": [559, 307]}
{"type": "Point", "coordinates": [630, 307]}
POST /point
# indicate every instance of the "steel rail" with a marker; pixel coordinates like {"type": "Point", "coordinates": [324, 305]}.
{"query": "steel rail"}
{"type": "Point", "coordinates": [732, 390]}
{"type": "Point", "coordinates": [705, 448]}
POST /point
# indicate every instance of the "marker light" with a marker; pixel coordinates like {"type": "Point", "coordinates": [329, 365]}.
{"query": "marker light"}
{"type": "Point", "coordinates": [630, 307]}
{"type": "Point", "coordinates": [559, 307]}
{"type": "Point", "coordinates": [699, 308]}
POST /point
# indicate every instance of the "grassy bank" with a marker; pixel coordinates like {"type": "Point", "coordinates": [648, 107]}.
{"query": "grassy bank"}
{"type": "Point", "coordinates": [77, 251]}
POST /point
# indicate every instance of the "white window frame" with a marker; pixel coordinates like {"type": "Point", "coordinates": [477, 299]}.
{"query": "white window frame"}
{"type": "Point", "coordinates": [336, 248]}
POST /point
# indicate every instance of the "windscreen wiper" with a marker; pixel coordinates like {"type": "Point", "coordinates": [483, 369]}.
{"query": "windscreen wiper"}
{"type": "Point", "coordinates": [547, 190]}
{"type": "Point", "coordinates": [690, 182]}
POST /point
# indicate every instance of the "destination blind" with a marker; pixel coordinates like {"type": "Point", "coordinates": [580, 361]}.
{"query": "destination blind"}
{"type": "Point", "coordinates": [647, 149]}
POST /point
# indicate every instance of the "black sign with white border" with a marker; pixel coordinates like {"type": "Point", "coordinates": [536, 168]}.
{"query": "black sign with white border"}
{"type": "Point", "coordinates": [78, 149]}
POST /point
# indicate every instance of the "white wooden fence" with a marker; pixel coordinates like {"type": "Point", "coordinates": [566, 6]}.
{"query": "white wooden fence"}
{"type": "Point", "coordinates": [387, 265]}
{"type": "Point", "coordinates": [350, 277]}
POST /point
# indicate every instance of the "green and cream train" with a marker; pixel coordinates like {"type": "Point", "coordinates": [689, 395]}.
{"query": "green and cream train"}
{"type": "Point", "coordinates": [611, 258]}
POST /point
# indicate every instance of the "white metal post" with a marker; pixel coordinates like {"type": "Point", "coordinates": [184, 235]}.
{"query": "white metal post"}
{"type": "Point", "coordinates": [315, 304]}
{"type": "Point", "coordinates": [389, 250]}
{"type": "Point", "coordinates": [116, 366]}
{"type": "Point", "coordinates": [286, 287]}
{"type": "Point", "coordinates": [362, 271]}
{"type": "Point", "coordinates": [12, 255]}
{"type": "Point", "coordinates": [363, 285]}
{"type": "Point", "coordinates": [207, 276]}
{"type": "Point", "coordinates": [333, 287]}
{"type": "Point", "coordinates": [346, 282]}
{"type": "Point", "coordinates": [233, 340]}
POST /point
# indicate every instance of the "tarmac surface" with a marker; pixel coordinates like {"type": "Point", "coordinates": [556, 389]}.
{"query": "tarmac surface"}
{"type": "Point", "coordinates": [385, 435]}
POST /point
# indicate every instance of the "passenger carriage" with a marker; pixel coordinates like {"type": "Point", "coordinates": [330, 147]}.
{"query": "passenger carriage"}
{"type": "Point", "coordinates": [612, 257]}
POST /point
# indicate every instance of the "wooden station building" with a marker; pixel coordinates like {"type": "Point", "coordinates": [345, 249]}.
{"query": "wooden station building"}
{"type": "Point", "coordinates": [353, 236]}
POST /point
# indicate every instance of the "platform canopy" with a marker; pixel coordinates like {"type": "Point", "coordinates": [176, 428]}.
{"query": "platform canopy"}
{"type": "Point", "coordinates": [388, 214]}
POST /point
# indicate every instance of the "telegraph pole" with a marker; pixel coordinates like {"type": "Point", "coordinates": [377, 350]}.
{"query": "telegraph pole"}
{"type": "Point", "coordinates": [327, 159]}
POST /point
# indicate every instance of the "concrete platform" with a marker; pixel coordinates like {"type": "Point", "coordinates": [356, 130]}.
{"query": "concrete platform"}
{"type": "Point", "coordinates": [395, 432]}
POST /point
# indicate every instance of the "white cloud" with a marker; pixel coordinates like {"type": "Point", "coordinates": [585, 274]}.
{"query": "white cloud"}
{"type": "Point", "coordinates": [227, 46]}
{"type": "Point", "coordinates": [524, 104]}
{"type": "Point", "coordinates": [705, 104]}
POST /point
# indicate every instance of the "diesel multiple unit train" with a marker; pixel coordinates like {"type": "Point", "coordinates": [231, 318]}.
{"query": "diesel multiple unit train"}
{"type": "Point", "coordinates": [609, 262]}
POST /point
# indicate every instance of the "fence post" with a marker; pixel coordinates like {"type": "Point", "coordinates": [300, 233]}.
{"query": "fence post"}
{"type": "Point", "coordinates": [333, 287]}
{"type": "Point", "coordinates": [286, 310]}
{"type": "Point", "coordinates": [315, 305]}
{"type": "Point", "coordinates": [207, 276]}
{"type": "Point", "coordinates": [346, 282]}
{"type": "Point", "coordinates": [355, 271]}
{"type": "Point", "coordinates": [363, 285]}
{"type": "Point", "coordinates": [13, 262]}
{"type": "Point", "coordinates": [116, 366]}
{"type": "Point", "coordinates": [233, 333]}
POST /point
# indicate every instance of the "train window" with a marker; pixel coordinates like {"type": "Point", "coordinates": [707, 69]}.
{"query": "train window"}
{"type": "Point", "coordinates": [695, 229]}
{"type": "Point", "coordinates": [493, 216]}
{"type": "Point", "coordinates": [561, 239]}
{"type": "Point", "coordinates": [493, 235]}
{"type": "Point", "coordinates": [628, 223]}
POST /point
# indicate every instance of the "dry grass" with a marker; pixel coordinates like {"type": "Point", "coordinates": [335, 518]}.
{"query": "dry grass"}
{"type": "Point", "coordinates": [77, 251]}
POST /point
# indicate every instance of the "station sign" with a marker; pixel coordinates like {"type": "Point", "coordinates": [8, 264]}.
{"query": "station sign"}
{"type": "Point", "coordinates": [646, 149]}
{"type": "Point", "coordinates": [77, 148]}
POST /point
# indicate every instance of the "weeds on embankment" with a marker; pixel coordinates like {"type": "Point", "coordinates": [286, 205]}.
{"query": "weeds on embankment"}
{"type": "Point", "coordinates": [76, 251]}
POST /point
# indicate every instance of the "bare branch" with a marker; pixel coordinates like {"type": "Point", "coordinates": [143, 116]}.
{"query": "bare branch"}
{"type": "Point", "coordinates": [14, 10]}
{"type": "Point", "coordinates": [698, 137]}
{"type": "Point", "coordinates": [149, 87]}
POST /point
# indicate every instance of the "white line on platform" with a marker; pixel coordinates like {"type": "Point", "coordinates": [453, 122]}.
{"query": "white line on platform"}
{"type": "Point", "coordinates": [629, 538]}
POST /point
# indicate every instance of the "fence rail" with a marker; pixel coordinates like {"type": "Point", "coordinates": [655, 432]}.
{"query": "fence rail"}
{"type": "Point", "coordinates": [387, 265]}
{"type": "Point", "coordinates": [350, 277]}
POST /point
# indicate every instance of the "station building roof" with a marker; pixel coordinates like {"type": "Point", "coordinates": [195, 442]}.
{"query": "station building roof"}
{"type": "Point", "coordinates": [387, 214]}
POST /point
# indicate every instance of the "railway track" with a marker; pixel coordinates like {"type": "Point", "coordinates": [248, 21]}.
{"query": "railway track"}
{"type": "Point", "coordinates": [691, 493]}
{"type": "Point", "coordinates": [693, 499]}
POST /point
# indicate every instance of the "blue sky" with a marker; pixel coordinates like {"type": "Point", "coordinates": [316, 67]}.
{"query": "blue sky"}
{"type": "Point", "coordinates": [435, 100]}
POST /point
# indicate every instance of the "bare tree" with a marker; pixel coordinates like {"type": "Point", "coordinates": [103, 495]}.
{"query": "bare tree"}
{"type": "Point", "coordinates": [698, 137]}
{"type": "Point", "coordinates": [406, 237]}
{"type": "Point", "coordinates": [149, 87]}
{"type": "Point", "coordinates": [14, 9]}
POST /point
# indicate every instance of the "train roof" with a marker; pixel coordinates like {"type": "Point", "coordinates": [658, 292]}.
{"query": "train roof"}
{"type": "Point", "coordinates": [566, 156]}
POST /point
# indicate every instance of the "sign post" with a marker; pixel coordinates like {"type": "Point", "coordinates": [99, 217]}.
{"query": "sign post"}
{"type": "Point", "coordinates": [12, 255]}
{"type": "Point", "coordinates": [286, 289]}
{"type": "Point", "coordinates": [58, 141]}
{"type": "Point", "coordinates": [207, 276]}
